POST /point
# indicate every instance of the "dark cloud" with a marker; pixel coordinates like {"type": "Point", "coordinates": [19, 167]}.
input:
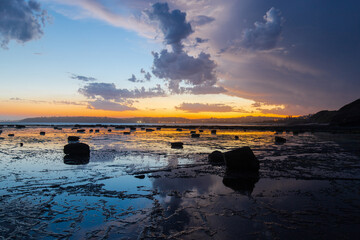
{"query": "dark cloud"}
{"type": "Point", "coordinates": [202, 20]}
{"type": "Point", "coordinates": [147, 76]}
{"type": "Point", "coordinates": [108, 91]}
{"type": "Point", "coordinates": [83, 78]}
{"type": "Point", "coordinates": [263, 36]}
{"type": "Point", "coordinates": [201, 107]}
{"type": "Point", "coordinates": [200, 40]}
{"type": "Point", "coordinates": [21, 21]}
{"type": "Point", "coordinates": [176, 67]}
{"type": "Point", "coordinates": [109, 106]}
{"type": "Point", "coordinates": [173, 24]}
{"type": "Point", "coordinates": [134, 79]}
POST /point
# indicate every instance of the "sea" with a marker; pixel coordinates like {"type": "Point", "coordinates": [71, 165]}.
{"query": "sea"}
{"type": "Point", "coordinates": [135, 186]}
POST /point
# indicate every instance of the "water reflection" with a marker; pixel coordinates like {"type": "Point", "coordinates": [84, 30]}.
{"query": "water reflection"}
{"type": "Point", "coordinates": [243, 183]}
{"type": "Point", "coordinates": [76, 160]}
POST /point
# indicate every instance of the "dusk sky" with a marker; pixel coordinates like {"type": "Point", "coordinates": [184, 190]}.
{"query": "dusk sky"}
{"type": "Point", "coordinates": [183, 58]}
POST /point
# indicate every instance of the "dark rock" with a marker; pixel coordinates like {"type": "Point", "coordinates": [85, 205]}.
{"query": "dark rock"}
{"type": "Point", "coordinates": [213, 131]}
{"type": "Point", "coordinates": [120, 127]}
{"type": "Point", "coordinates": [42, 133]}
{"type": "Point", "coordinates": [142, 129]}
{"type": "Point", "coordinates": [20, 126]}
{"type": "Point", "coordinates": [195, 135]}
{"type": "Point", "coordinates": [140, 176]}
{"type": "Point", "coordinates": [76, 160]}
{"type": "Point", "coordinates": [77, 149]}
{"type": "Point", "coordinates": [201, 130]}
{"type": "Point", "coordinates": [179, 129]}
{"type": "Point", "coordinates": [91, 130]}
{"type": "Point", "coordinates": [132, 128]}
{"type": "Point", "coordinates": [158, 128]}
{"type": "Point", "coordinates": [243, 183]}
{"type": "Point", "coordinates": [97, 130]}
{"type": "Point", "coordinates": [109, 130]}
{"type": "Point", "coordinates": [177, 145]}
{"type": "Point", "coordinates": [80, 131]}
{"type": "Point", "coordinates": [11, 135]}
{"type": "Point", "coordinates": [1, 138]}
{"type": "Point", "coordinates": [126, 133]}
{"type": "Point", "coordinates": [236, 137]}
{"type": "Point", "coordinates": [149, 130]}
{"type": "Point", "coordinates": [295, 133]}
{"type": "Point", "coordinates": [280, 140]}
{"type": "Point", "coordinates": [0, 131]}
{"type": "Point", "coordinates": [241, 159]}
{"type": "Point", "coordinates": [21, 144]}
{"type": "Point", "coordinates": [216, 157]}
{"type": "Point", "coordinates": [73, 139]}
{"type": "Point", "coordinates": [192, 132]}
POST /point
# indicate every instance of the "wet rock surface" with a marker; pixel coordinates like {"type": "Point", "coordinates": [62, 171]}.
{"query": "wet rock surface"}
{"type": "Point", "coordinates": [313, 178]}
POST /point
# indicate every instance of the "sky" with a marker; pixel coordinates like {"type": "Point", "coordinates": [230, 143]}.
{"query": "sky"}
{"type": "Point", "coordinates": [177, 58]}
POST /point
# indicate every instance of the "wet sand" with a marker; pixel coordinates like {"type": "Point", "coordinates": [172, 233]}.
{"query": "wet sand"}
{"type": "Point", "coordinates": [136, 187]}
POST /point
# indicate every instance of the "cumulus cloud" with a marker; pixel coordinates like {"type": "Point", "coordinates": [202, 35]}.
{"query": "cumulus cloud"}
{"type": "Point", "coordinates": [134, 79]}
{"type": "Point", "coordinates": [109, 106]}
{"type": "Point", "coordinates": [176, 67]}
{"type": "Point", "coordinates": [147, 76]}
{"type": "Point", "coordinates": [201, 107]}
{"type": "Point", "coordinates": [263, 36]}
{"type": "Point", "coordinates": [83, 78]}
{"type": "Point", "coordinates": [21, 21]}
{"type": "Point", "coordinates": [108, 91]}
{"type": "Point", "coordinates": [173, 24]}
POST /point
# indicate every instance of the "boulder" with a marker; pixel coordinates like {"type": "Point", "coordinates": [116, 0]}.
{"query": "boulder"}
{"type": "Point", "coordinates": [42, 133]}
{"type": "Point", "coordinates": [11, 135]}
{"type": "Point", "coordinates": [91, 130]}
{"type": "Point", "coordinates": [158, 128]}
{"type": "Point", "coordinates": [126, 133]}
{"type": "Point", "coordinates": [192, 132]}
{"type": "Point", "coordinates": [177, 145]}
{"type": "Point", "coordinates": [241, 159]}
{"type": "Point", "coordinates": [77, 149]}
{"type": "Point", "coordinates": [195, 135]}
{"type": "Point", "coordinates": [132, 128]}
{"type": "Point", "coordinates": [149, 130]}
{"type": "Point", "coordinates": [236, 137]}
{"type": "Point", "coordinates": [280, 140]}
{"type": "Point", "coordinates": [80, 131]}
{"type": "Point", "coordinates": [201, 130]}
{"type": "Point", "coordinates": [213, 131]}
{"type": "Point", "coordinates": [216, 157]}
{"type": "Point", "coordinates": [97, 130]}
{"type": "Point", "coordinates": [109, 130]}
{"type": "Point", "coordinates": [179, 129]}
{"type": "Point", "coordinates": [0, 131]}
{"type": "Point", "coordinates": [73, 139]}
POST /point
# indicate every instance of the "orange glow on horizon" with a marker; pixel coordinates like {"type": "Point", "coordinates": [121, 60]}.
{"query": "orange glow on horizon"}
{"type": "Point", "coordinates": [26, 109]}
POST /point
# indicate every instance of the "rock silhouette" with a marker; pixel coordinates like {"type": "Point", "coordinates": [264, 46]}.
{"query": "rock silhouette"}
{"type": "Point", "coordinates": [241, 159]}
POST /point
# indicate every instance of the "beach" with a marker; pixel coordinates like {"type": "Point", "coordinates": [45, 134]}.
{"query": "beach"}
{"type": "Point", "coordinates": [136, 186]}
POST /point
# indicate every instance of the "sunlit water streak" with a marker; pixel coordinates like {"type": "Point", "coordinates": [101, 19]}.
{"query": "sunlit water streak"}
{"type": "Point", "coordinates": [308, 187]}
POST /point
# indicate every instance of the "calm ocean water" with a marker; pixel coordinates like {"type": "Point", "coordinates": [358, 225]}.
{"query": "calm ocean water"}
{"type": "Point", "coordinates": [135, 186]}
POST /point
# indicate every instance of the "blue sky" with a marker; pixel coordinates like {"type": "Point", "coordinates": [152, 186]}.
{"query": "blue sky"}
{"type": "Point", "coordinates": [202, 58]}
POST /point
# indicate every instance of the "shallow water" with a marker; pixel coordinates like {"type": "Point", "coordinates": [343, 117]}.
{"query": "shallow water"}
{"type": "Point", "coordinates": [307, 187]}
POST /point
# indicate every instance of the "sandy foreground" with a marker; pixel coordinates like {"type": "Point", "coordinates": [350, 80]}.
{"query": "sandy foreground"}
{"type": "Point", "coordinates": [136, 187]}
